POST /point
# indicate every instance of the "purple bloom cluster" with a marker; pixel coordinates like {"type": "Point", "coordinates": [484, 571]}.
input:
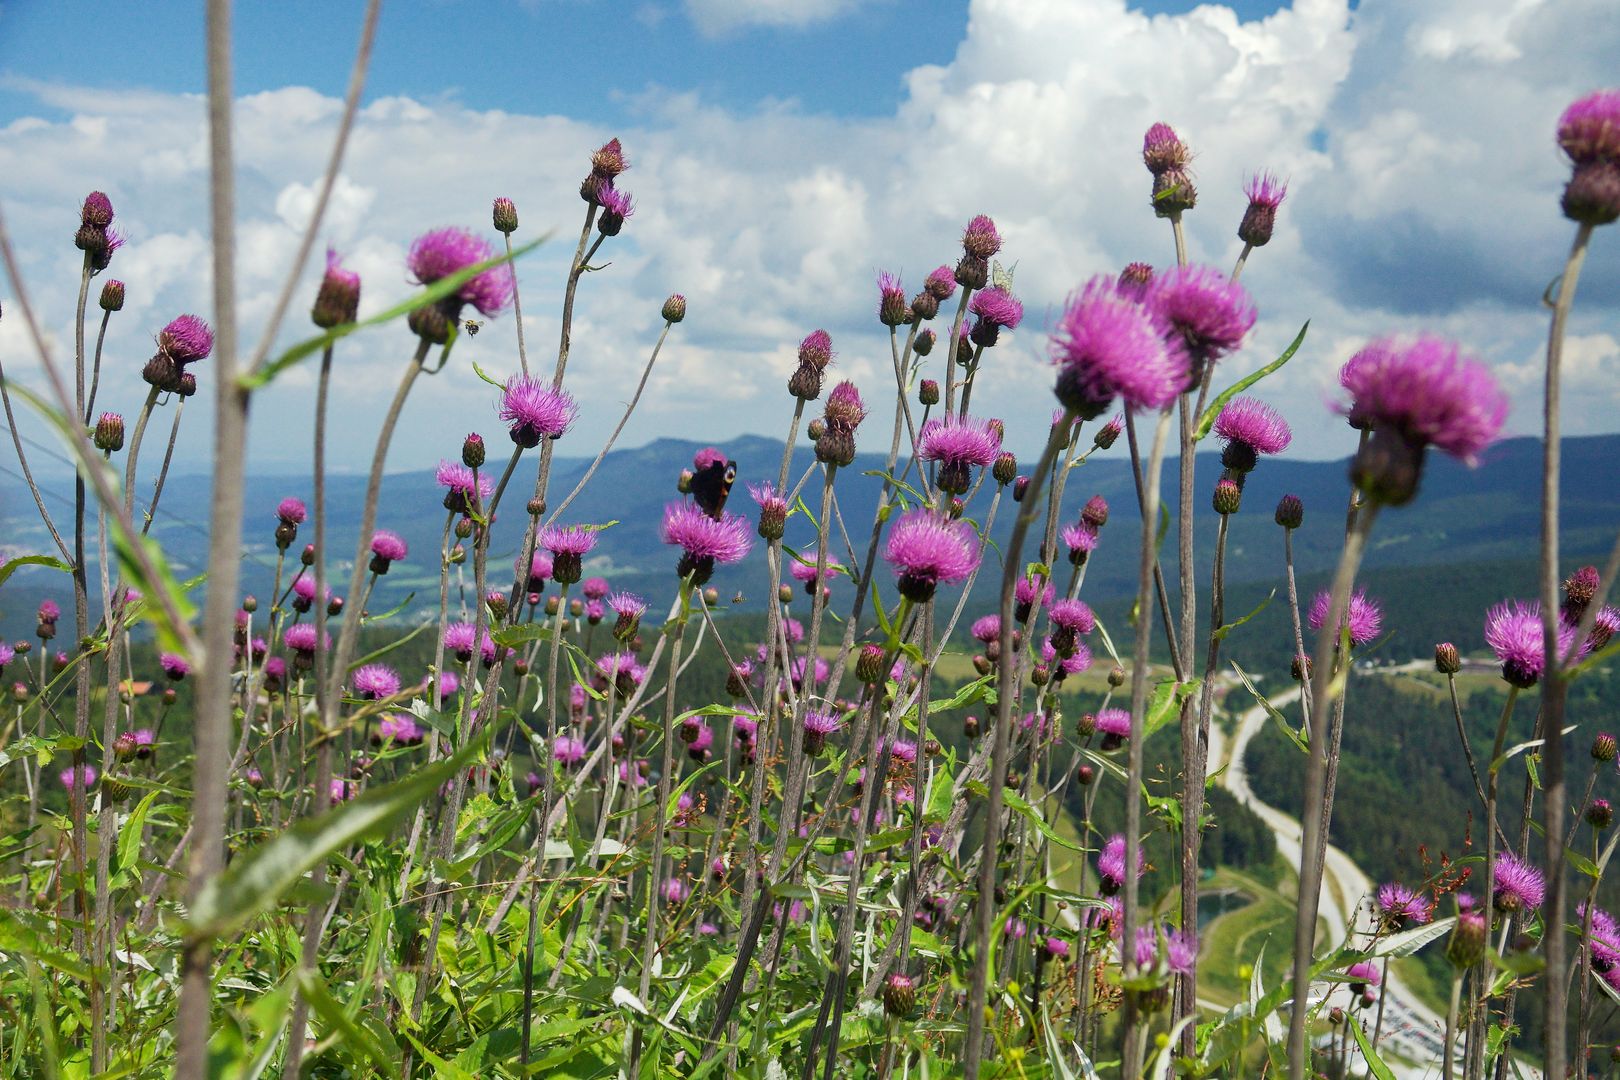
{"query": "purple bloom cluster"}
{"type": "Point", "coordinates": [442, 252]}
{"type": "Point", "coordinates": [1364, 617]}
{"type": "Point", "coordinates": [1107, 344]}
{"type": "Point", "coordinates": [927, 551]}
{"type": "Point", "coordinates": [535, 411]}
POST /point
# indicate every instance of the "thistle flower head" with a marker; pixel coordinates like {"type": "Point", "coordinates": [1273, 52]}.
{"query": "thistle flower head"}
{"type": "Point", "coordinates": [941, 283]}
{"type": "Point", "coordinates": [1363, 973]}
{"type": "Point", "coordinates": [1163, 150]}
{"type": "Point", "coordinates": [1426, 391]}
{"type": "Point", "coordinates": [1400, 907]}
{"type": "Point", "coordinates": [1080, 538]}
{"type": "Point", "coordinates": [174, 665]}
{"type": "Point", "coordinates": [96, 210]}
{"type": "Point", "coordinates": [959, 441]}
{"type": "Point", "coordinates": [461, 638]}
{"type": "Point", "coordinates": [891, 308]}
{"type": "Point", "coordinates": [1589, 130]}
{"type": "Point", "coordinates": [399, 727]}
{"type": "Point", "coordinates": [388, 546]}
{"type": "Point", "coordinates": [1213, 312]}
{"type": "Point", "coordinates": [1073, 659]}
{"type": "Point", "coordinates": [980, 239]}
{"type": "Point", "coordinates": [705, 541]}
{"type": "Point", "coordinates": [1604, 940]}
{"type": "Point", "coordinates": [1108, 345]}
{"type": "Point", "coordinates": [1363, 615]}
{"type": "Point", "coordinates": [567, 540]}
{"type": "Point", "coordinates": [1072, 615]}
{"type": "Point", "coordinates": [816, 349]}
{"type": "Point", "coordinates": [609, 161]}
{"type": "Point", "coordinates": [1253, 424]}
{"type": "Point", "coordinates": [300, 638]}
{"type": "Point", "coordinates": [927, 550]}
{"type": "Point", "coordinates": [1513, 630]}
{"type": "Point", "coordinates": [987, 628]}
{"type": "Point", "coordinates": [1114, 723]}
{"type": "Point", "coordinates": [186, 339]}
{"type": "Point", "coordinates": [1516, 885]}
{"type": "Point", "coordinates": [1180, 949]}
{"type": "Point", "coordinates": [998, 307]}
{"type": "Point", "coordinates": [337, 301]}
{"type": "Point", "coordinates": [442, 252]}
{"type": "Point", "coordinates": [568, 750]}
{"type": "Point", "coordinates": [1265, 193]}
{"type": "Point", "coordinates": [373, 682]}
{"type": "Point", "coordinates": [291, 511]}
{"type": "Point", "coordinates": [534, 410]}
{"type": "Point", "coordinates": [459, 481]}
{"type": "Point", "coordinates": [1134, 281]}
{"type": "Point", "coordinates": [1026, 590]}
{"type": "Point", "coordinates": [82, 778]}
{"type": "Point", "coordinates": [845, 407]}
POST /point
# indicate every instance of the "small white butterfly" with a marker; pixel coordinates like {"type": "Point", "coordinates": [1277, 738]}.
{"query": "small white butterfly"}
{"type": "Point", "coordinates": [1002, 278]}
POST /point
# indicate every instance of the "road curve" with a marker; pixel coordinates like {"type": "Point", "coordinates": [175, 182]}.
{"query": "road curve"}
{"type": "Point", "coordinates": [1411, 1029]}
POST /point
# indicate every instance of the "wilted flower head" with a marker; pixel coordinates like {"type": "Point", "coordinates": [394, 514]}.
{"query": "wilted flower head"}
{"type": "Point", "coordinates": [1517, 886]}
{"type": "Point", "coordinates": [534, 410]}
{"type": "Point", "coordinates": [443, 252]}
{"type": "Point", "coordinates": [1363, 615]}
{"type": "Point", "coordinates": [927, 551]}
{"type": "Point", "coordinates": [1108, 345]}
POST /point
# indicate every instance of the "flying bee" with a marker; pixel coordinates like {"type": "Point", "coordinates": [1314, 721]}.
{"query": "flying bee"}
{"type": "Point", "coordinates": [473, 326]}
{"type": "Point", "coordinates": [738, 598]}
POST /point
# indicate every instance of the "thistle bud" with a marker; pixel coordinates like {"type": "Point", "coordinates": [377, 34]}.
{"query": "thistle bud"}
{"type": "Point", "coordinates": [928, 392]}
{"type": "Point", "coordinates": [536, 506]}
{"type": "Point", "coordinates": [1116, 677]}
{"type": "Point", "coordinates": [816, 429]}
{"type": "Point", "coordinates": [505, 215]}
{"type": "Point", "coordinates": [1173, 193]}
{"type": "Point", "coordinates": [924, 343]}
{"type": "Point", "coordinates": [970, 726]}
{"type": "Point", "coordinates": [674, 309]}
{"type": "Point", "coordinates": [1020, 485]}
{"type": "Point", "coordinates": [1290, 512]}
{"type": "Point", "coordinates": [1604, 747]}
{"type": "Point", "coordinates": [337, 301]}
{"type": "Point", "coordinates": [1095, 512]}
{"type": "Point", "coordinates": [464, 528]}
{"type": "Point", "coordinates": [1108, 434]}
{"type": "Point", "coordinates": [1466, 946]}
{"type": "Point", "coordinates": [784, 594]}
{"type": "Point", "coordinates": [924, 306]}
{"type": "Point", "coordinates": [982, 664]}
{"type": "Point", "coordinates": [869, 665]}
{"type": "Point", "coordinates": [109, 433]}
{"type": "Point", "coordinates": [1446, 660]}
{"type": "Point", "coordinates": [250, 604]}
{"type": "Point", "coordinates": [112, 296]}
{"type": "Point", "coordinates": [1600, 814]}
{"type": "Point", "coordinates": [711, 596]}
{"type": "Point", "coordinates": [972, 272]}
{"type": "Point", "coordinates": [1301, 668]}
{"type": "Point", "coordinates": [772, 519]}
{"type": "Point", "coordinates": [609, 160]}
{"type": "Point", "coordinates": [472, 451]}
{"type": "Point", "coordinates": [1228, 497]}
{"type": "Point", "coordinates": [1592, 196]}
{"type": "Point", "coordinates": [124, 746]}
{"type": "Point", "coordinates": [496, 601]}
{"type": "Point", "coordinates": [1085, 775]}
{"type": "Point", "coordinates": [899, 994]}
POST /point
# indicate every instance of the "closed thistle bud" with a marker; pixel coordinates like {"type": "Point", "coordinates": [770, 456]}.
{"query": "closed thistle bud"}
{"type": "Point", "coordinates": [816, 429]}
{"type": "Point", "coordinates": [307, 556]}
{"type": "Point", "coordinates": [973, 272]}
{"type": "Point", "coordinates": [1290, 512]}
{"type": "Point", "coordinates": [982, 664]}
{"type": "Point", "coordinates": [109, 434]}
{"type": "Point", "coordinates": [869, 667]}
{"type": "Point", "coordinates": [1173, 193]}
{"type": "Point", "coordinates": [187, 385]}
{"type": "Point", "coordinates": [899, 994]}
{"type": "Point", "coordinates": [464, 528]}
{"type": "Point", "coordinates": [161, 372]}
{"type": "Point", "coordinates": [1040, 675]}
{"type": "Point", "coordinates": [1116, 677]}
{"type": "Point", "coordinates": [112, 296]}
{"type": "Point", "coordinates": [1300, 668]}
{"type": "Point", "coordinates": [924, 306]}
{"type": "Point", "coordinates": [1599, 814]}
{"type": "Point", "coordinates": [928, 392]}
{"type": "Point", "coordinates": [1228, 497]}
{"type": "Point", "coordinates": [505, 215]}
{"type": "Point", "coordinates": [114, 789]}
{"type": "Point", "coordinates": [472, 451]}
{"type": "Point", "coordinates": [964, 352]}
{"type": "Point", "coordinates": [1604, 747]}
{"type": "Point", "coordinates": [337, 301]}
{"type": "Point", "coordinates": [674, 309]}
{"type": "Point", "coordinates": [1466, 946]}
{"type": "Point", "coordinates": [1446, 660]}
{"type": "Point", "coordinates": [970, 726]}
{"type": "Point", "coordinates": [924, 343]}
{"type": "Point", "coordinates": [1108, 434]}
{"type": "Point", "coordinates": [784, 593]}
{"type": "Point", "coordinates": [496, 601]}
{"type": "Point", "coordinates": [334, 607]}
{"type": "Point", "coordinates": [1592, 196]}
{"type": "Point", "coordinates": [536, 506]}
{"type": "Point", "coordinates": [124, 746]}
{"type": "Point", "coordinates": [1095, 512]}
{"type": "Point", "coordinates": [836, 446]}
{"type": "Point", "coordinates": [1005, 469]}
{"type": "Point", "coordinates": [1020, 485]}
{"type": "Point", "coordinates": [250, 604]}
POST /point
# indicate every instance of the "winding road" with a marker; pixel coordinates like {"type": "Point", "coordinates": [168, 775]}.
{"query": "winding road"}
{"type": "Point", "coordinates": [1411, 1031]}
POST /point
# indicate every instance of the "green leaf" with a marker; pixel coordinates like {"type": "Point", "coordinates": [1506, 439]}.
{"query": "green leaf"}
{"type": "Point", "coordinates": [19, 939]}
{"type": "Point", "coordinates": [12, 565]}
{"type": "Point", "coordinates": [1582, 863]}
{"type": "Point", "coordinates": [433, 293]}
{"type": "Point", "coordinates": [1375, 1064]}
{"type": "Point", "coordinates": [1207, 421]}
{"type": "Point", "coordinates": [1016, 801]}
{"type": "Point", "coordinates": [258, 877]}
{"type": "Point", "coordinates": [356, 1037]}
{"type": "Point", "coordinates": [1167, 698]}
{"type": "Point", "coordinates": [1221, 632]}
{"type": "Point", "coordinates": [1271, 710]}
{"type": "Point", "coordinates": [1410, 941]}
{"type": "Point", "coordinates": [129, 836]}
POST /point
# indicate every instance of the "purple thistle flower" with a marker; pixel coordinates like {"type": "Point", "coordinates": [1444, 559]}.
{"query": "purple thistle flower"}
{"type": "Point", "coordinates": [1589, 130]}
{"type": "Point", "coordinates": [1400, 907]}
{"type": "Point", "coordinates": [627, 605]}
{"type": "Point", "coordinates": [817, 727]}
{"type": "Point", "coordinates": [1427, 392]}
{"type": "Point", "coordinates": [402, 729]}
{"type": "Point", "coordinates": [49, 611]}
{"type": "Point", "coordinates": [292, 511]}
{"type": "Point", "coordinates": [388, 546]}
{"type": "Point", "coordinates": [845, 407]}
{"type": "Point", "coordinates": [375, 681]}
{"type": "Point", "coordinates": [941, 283]}
{"type": "Point", "coordinates": [595, 588]}
{"type": "Point", "coordinates": [617, 205]}
{"type": "Point", "coordinates": [1162, 149]}
{"type": "Point", "coordinates": [535, 411]}
{"type": "Point", "coordinates": [980, 239]}
{"type": "Point", "coordinates": [82, 778]}
{"type": "Point", "coordinates": [674, 891]}
{"type": "Point", "coordinates": [567, 750]}
{"type": "Point", "coordinates": [958, 444]}
{"type": "Point", "coordinates": [1266, 190]}
{"type": "Point", "coordinates": [174, 666]}
{"type": "Point", "coordinates": [892, 310]}
{"type": "Point", "coordinates": [987, 628]}
{"type": "Point", "coordinates": [997, 310]}
{"type": "Point", "coordinates": [457, 479]}
{"type": "Point", "coordinates": [705, 541]}
{"type": "Point", "coordinates": [1108, 345]}
{"type": "Point", "coordinates": [96, 210]}
{"type": "Point", "coordinates": [300, 638]}
{"type": "Point", "coordinates": [1111, 864]}
{"type": "Point", "coordinates": [927, 550]}
{"type": "Point", "coordinates": [1024, 593]}
{"type": "Point", "coordinates": [1513, 630]}
{"type": "Point", "coordinates": [1115, 727]}
{"type": "Point", "coordinates": [304, 589]}
{"type": "Point", "coordinates": [1053, 948]}
{"type": "Point", "coordinates": [443, 252]}
{"type": "Point", "coordinates": [1179, 949]}
{"type": "Point", "coordinates": [337, 300]}
{"type": "Point", "coordinates": [540, 566]}
{"type": "Point", "coordinates": [7, 655]}
{"type": "Point", "coordinates": [1604, 941]}
{"type": "Point", "coordinates": [816, 349]}
{"type": "Point", "coordinates": [461, 638]}
{"type": "Point", "coordinates": [186, 339]}
{"type": "Point", "coordinates": [1362, 975]}
{"type": "Point", "coordinates": [1073, 659]}
{"type": "Point", "coordinates": [1213, 312]}
{"type": "Point", "coordinates": [1250, 428]}
{"type": "Point", "coordinates": [1072, 615]}
{"type": "Point", "coordinates": [1605, 625]}
{"type": "Point", "coordinates": [1364, 617]}
{"type": "Point", "coordinates": [1266, 194]}
{"type": "Point", "coordinates": [571, 540]}
{"type": "Point", "coordinates": [1080, 538]}
{"type": "Point", "coordinates": [1517, 885]}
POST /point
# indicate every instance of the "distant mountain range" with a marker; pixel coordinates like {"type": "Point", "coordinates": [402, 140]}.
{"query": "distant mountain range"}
{"type": "Point", "coordinates": [1484, 516]}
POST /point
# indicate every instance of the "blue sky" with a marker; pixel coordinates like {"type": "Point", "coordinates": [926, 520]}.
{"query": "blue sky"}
{"type": "Point", "coordinates": [786, 150]}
